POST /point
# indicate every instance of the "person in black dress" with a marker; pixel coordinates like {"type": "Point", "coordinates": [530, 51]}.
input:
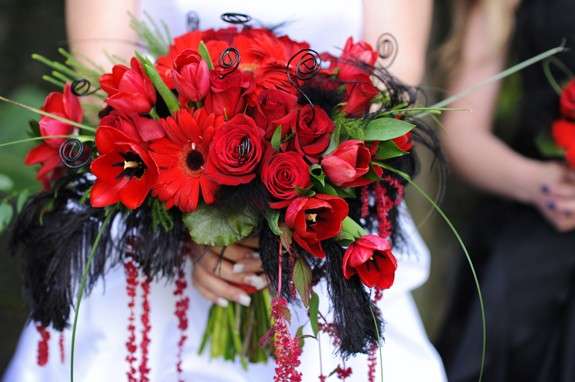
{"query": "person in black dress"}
{"type": "Point", "coordinates": [523, 236]}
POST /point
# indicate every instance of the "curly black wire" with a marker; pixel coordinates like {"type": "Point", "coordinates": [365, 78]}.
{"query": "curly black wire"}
{"type": "Point", "coordinates": [192, 21]}
{"type": "Point", "coordinates": [387, 49]}
{"type": "Point", "coordinates": [236, 18]}
{"type": "Point", "coordinates": [74, 153]}
{"type": "Point", "coordinates": [307, 65]}
{"type": "Point", "coordinates": [229, 61]}
{"type": "Point", "coordinates": [83, 87]}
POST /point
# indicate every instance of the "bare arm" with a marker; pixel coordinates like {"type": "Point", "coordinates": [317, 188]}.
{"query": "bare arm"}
{"type": "Point", "coordinates": [98, 27]}
{"type": "Point", "coordinates": [409, 22]}
{"type": "Point", "coordinates": [483, 159]}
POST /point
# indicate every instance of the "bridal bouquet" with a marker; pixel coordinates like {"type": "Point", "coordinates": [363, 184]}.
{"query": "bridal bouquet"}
{"type": "Point", "coordinates": [212, 137]}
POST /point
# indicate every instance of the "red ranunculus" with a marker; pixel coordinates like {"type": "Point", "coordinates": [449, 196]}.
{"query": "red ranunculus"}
{"type": "Point", "coordinates": [371, 258]}
{"type": "Point", "coordinates": [282, 174]}
{"type": "Point", "coordinates": [567, 101]}
{"type": "Point", "coordinates": [65, 105]}
{"type": "Point", "coordinates": [226, 95]}
{"type": "Point", "coordinates": [276, 108]}
{"type": "Point", "coordinates": [124, 170]}
{"type": "Point", "coordinates": [182, 157]}
{"type": "Point", "coordinates": [190, 75]}
{"type": "Point", "coordinates": [359, 92]}
{"type": "Point", "coordinates": [347, 164]}
{"type": "Point", "coordinates": [313, 131]}
{"type": "Point", "coordinates": [564, 133]}
{"type": "Point", "coordinates": [236, 151]}
{"type": "Point", "coordinates": [404, 143]}
{"type": "Point", "coordinates": [129, 89]}
{"type": "Point", "coordinates": [314, 219]}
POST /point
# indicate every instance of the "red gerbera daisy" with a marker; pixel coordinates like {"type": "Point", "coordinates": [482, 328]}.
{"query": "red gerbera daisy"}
{"type": "Point", "coordinates": [182, 158]}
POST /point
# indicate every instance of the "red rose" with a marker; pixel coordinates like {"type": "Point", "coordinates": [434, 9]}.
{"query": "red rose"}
{"type": "Point", "coordinates": [404, 143]}
{"type": "Point", "coordinates": [65, 105]}
{"type": "Point", "coordinates": [347, 164]}
{"type": "Point", "coordinates": [129, 89]}
{"type": "Point", "coordinates": [236, 151]}
{"type": "Point", "coordinates": [564, 133]}
{"type": "Point", "coordinates": [314, 219]}
{"type": "Point", "coordinates": [124, 170]}
{"type": "Point", "coordinates": [359, 92]}
{"type": "Point", "coordinates": [182, 158]}
{"type": "Point", "coordinates": [282, 174]}
{"type": "Point", "coordinates": [567, 101]}
{"type": "Point", "coordinates": [226, 95]}
{"type": "Point", "coordinates": [48, 157]}
{"type": "Point", "coordinates": [354, 57]}
{"type": "Point", "coordinates": [371, 258]}
{"type": "Point", "coordinates": [276, 108]}
{"type": "Point", "coordinates": [313, 131]}
{"type": "Point", "coordinates": [190, 75]}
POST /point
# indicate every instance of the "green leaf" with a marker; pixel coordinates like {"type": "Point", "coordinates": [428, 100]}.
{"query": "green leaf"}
{"type": "Point", "coordinates": [334, 140]}
{"type": "Point", "coordinates": [388, 150]}
{"type": "Point", "coordinates": [277, 138]}
{"type": "Point", "coordinates": [313, 313]}
{"type": "Point", "coordinates": [299, 335]}
{"type": "Point", "coordinates": [350, 230]}
{"type": "Point", "coordinates": [385, 129]}
{"type": "Point", "coordinates": [273, 218]}
{"type": "Point", "coordinates": [547, 146]}
{"type": "Point", "coordinates": [165, 92]}
{"type": "Point", "coordinates": [209, 225]}
{"type": "Point", "coordinates": [317, 174]}
{"type": "Point", "coordinates": [302, 279]}
{"type": "Point", "coordinates": [22, 199]}
{"type": "Point", "coordinates": [6, 184]}
{"type": "Point", "coordinates": [34, 130]}
{"type": "Point", "coordinates": [203, 51]}
{"type": "Point", "coordinates": [6, 213]}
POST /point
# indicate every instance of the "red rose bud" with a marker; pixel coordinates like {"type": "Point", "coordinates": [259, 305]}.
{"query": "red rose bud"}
{"type": "Point", "coordinates": [124, 170]}
{"type": "Point", "coordinates": [276, 108]}
{"type": "Point", "coordinates": [190, 75]}
{"type": "Point", "coordinates": [313, 131]}
{"type": "Point", "coordinates": [404, 143]}
{"type": "Point", "coordinates": [313, 219]}
{"type": "Point", "coordinates": [182, 158]}
{"type": "Point", "coordinates": [347, 164]}
{"type": "Point", "coordinates": [282, 174]}
{"type": "Point", "coordinates": [65, 105]}
{"type": "Point", "coordinates": [564, 133]}
{"type": "Point", "coordinates": [226, 94]}
{"type": "Point", "coordinates": [359, 93]}
{"type": "Point", "coordinates": [129, 89]}
{"type": "Point", "coordinates": [371, 258]}
{"type": "Point", "coordinates": [236, 151]}
{"type": "Point", "coordinates": [567, 101]}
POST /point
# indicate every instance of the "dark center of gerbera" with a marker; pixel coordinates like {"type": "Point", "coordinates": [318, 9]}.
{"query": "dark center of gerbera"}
{"type": "Point", "coordinates": [195, 159]}
{"type": "Point", "coordinates": [132, 165]}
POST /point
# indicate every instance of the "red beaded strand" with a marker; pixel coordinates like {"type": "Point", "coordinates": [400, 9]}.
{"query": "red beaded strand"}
{"type": "Point", "coordinates": [61, 347]}
{"type": "Point", "coordinates": [131, 272]}
{"type": "Point", "coordinates": [181, 312]}
{"type": "Point", "coordinates": [43, 345]}
{"type": "Point", "coordinates": [146, 329]}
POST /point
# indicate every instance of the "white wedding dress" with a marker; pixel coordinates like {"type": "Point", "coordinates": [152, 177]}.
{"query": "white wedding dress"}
{"type": "Point", "coordinates": [408, 356]}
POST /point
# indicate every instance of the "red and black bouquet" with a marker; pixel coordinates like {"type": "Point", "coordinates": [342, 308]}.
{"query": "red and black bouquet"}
{"type": "Point", "coordinates": [210, 138]}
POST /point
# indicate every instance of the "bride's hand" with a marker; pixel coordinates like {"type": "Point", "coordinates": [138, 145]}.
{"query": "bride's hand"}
{"type": "Point", "coordinates": [217, 271]}
{"type": "Point", "coordinates": [554, 195]}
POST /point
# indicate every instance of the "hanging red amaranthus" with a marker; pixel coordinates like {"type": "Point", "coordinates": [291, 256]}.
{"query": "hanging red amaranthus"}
{"type": "Point", "coordinates": [181, 312]}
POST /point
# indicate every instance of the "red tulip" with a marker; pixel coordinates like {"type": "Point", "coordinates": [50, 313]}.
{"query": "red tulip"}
{"type": "Point", "coordinates": [65, 105]}
{"type": "Point", "coordinates": [347, 164]}
{"type": "Point", "coordinates": [371, 258]}
{"type": "Point", "coordinates": [190, 75]}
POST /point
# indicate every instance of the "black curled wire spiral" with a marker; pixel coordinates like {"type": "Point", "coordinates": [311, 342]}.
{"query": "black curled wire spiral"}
{"type": "Point", "coordinates": [82, 87]}
{"type": "Point", "coordinates": [192, 21]}
{"type": "Point", "coordinates": [387, 48]}
{"type": "Point", "coordinates": [236, 18]}
{"type": "Point", "coordinates": [74, 153]}
{"type": "Point", "coordinates": [303, 66]}
{"type": "Point", "coordinates": [229, 61]}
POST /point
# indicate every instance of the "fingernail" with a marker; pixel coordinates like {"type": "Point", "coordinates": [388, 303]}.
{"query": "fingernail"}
{"type": "Point", "coordinates": [238, 268]}
{"type": "Point", "coordinates": [551, 205]}
{"type": "Point", "coordinates": [222, 302]}
{"type": "Point", "coordinates": [257, 282]}
{"type": "Point", "coordinates": [545, 189]}
{"type": "Point", "coordinates": [245, 300]}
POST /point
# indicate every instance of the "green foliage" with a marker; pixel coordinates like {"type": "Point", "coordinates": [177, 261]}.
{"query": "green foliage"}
{"type": "Point", "coordinates": [160, 216]}
{"type": "Point", "coordinates": [165, 92]}
{"type": "Point", "coordinates": [277, 138]}
{"type": "Point", "coordinates": [156, 39]}
{"type": "Point", "coordinates": [548, 148]}
{"type": "Point", "coordinates": [209, 225]}
{"type": "Point", "coordinates": [313, 313]}
{"type": "Point", "coordinates": [203, 51]}
{"type": "Point", "coordinates": [302, 278]}
{"type": "Point", "coordinates": [388, 150]}
{"type": "Point", "coordinates": [385, 129]}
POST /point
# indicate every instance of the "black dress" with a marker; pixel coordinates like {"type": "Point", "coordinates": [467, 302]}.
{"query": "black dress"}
{"type": "Point", "coordinates": [527, 268]}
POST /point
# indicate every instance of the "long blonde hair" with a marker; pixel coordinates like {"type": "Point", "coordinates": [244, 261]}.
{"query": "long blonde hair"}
{"type": "Point", "coordinates": [500, 21]}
